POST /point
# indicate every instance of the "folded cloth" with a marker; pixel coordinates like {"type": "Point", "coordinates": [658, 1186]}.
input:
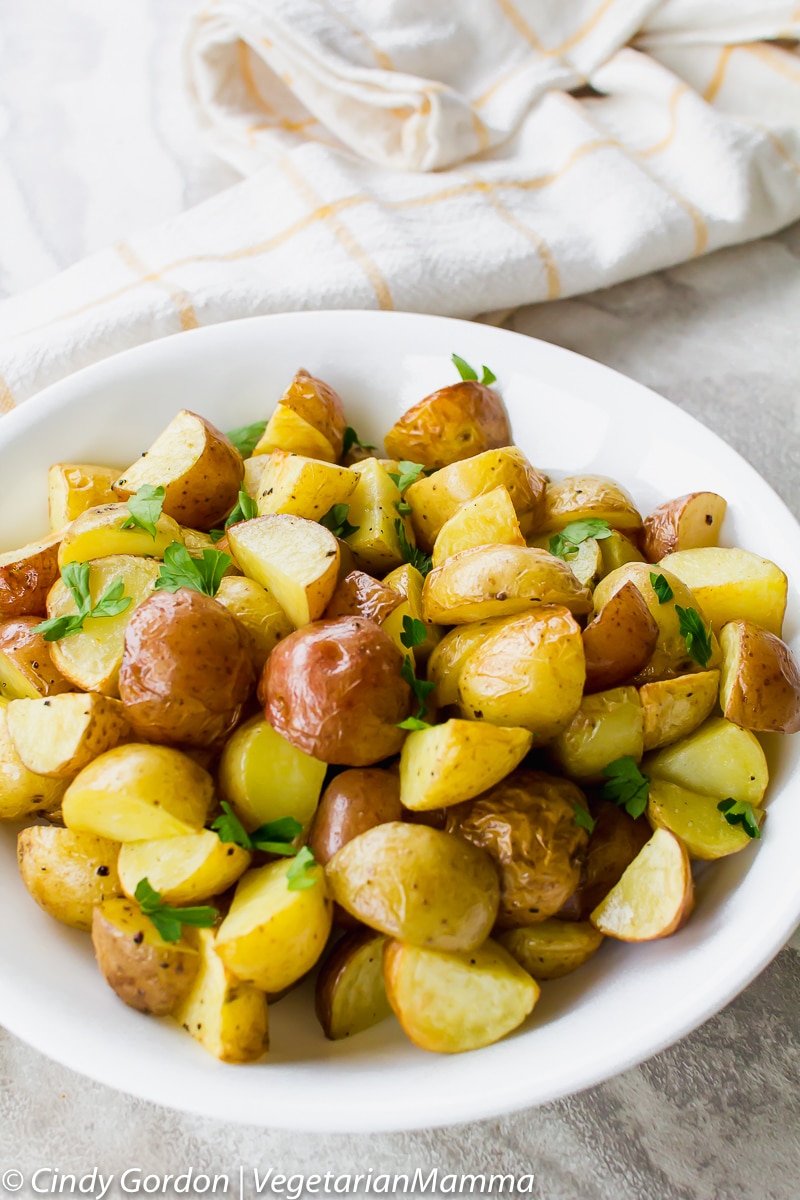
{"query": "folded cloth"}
{"type": "Point", "coordinates": [444, 158]}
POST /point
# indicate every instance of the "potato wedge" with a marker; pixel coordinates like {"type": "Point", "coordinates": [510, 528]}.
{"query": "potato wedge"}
{"type": "Point", "coordinates": [580, 496]}
{"type": "Point", "coordinates": [620, 641]}
{"type": "Point", "coordinates": [498, 581]}
{"type": "Point", "coordinates": [683, 524]}
{"type": "Point", "coordinates": [449, 763]}
{"type": "Point", "coordinates": [136, 792]}
{"type": "Point", "coordinates": [607, 726]}
{"type": "Point", "coordinates": [353, 802]}
{"type": "Point", "coordinates": [451, 424]}
{"type": "Point", "coordinates": [616, 550]}
{"type": "Point", "coordinates": [98, 533]}
{"type": "Point", "coordinates": [436, 498]}
{"type": "Point", "coordinates": [273, 935]}
{"type": "Point", "coordinates": [552, 949]}
{"type": "Point", "coordinates": [68, 873]}
{"type": "Point", "coordinates": [359, 595]}
{"type": "Point", "coordinates": [62, 735]}
{"type": "Point", "coordinates": [27, 669]}
{"type": "Point", "coordinates": [732, 585]}
{"type": "Point", "coordinates": [147, 973]}
{"type": "Point", "coordinates": [23, 794]}
{"type": "Point", "coordinates": [304, 487]}
{"type": "Point", "coordinates": [529, 671]}
{"type": "Point", "coordinates": [613, 845]}
{"type": "Point", "coordinates": [200, 470]}
{"type": "Point", "coordinates": [183, 870]}
{"type": "Point", "coordinates": [760, 686]}
{"type": "Point", "coordinates": [488, 520]}
{"type": "Point", "coordinates": [287, 430]}
{"type": "Point", "coordinates": [258, 611]}
{"type": "Point", "coordinates": [265, 777]}
{"type": "Point", "coordinates": [227, 1017]}
{"type": "Point", "coordinates": [673, 708]}
{"type": "Point", "coordinates": [74, 487]}
{"type": "Point", "coordinates": [297, 560]}
{"type": "Point", "coordinates": [410, 881]}
{"type": "Point", "coordinates": [451, 1002]}
{"type": "Point", "coordinates": [373, 510]}
{"type": "Point", "coordinates": [695, 819]}
{"type": "Point", "coordinates": [350, 995]}
{"type": "Point", "coordinates": [253, 470]}
{"type": "Point", "coordinates": [655, 895]}
{"type": "Point", "coordinates": [444, 665]}
{"type": "Point", "coordinates": [91, 659]}
{"type": "Point", "coordinates": [26, 576]}
{"type": "Point", "coordinates": [317, 405]}
{"type": "Point", "coordinates": [409, 582]}
{"type": "Point", "coordinates": [719, 758]}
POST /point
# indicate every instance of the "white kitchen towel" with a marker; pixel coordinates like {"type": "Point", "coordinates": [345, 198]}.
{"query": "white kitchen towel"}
{"type": "Point", "coordinates": [443, 157]}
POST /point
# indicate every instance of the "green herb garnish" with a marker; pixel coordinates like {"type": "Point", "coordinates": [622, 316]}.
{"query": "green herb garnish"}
{"type": "Point", "coordinates": [145, 509]}
{"type": "Point", "coordinates": [412, 554]}
{"type": "Point", "coordinates": [469, 373]}
{"type": "Point", "coordinates": [740, 812]}
{"type": "Point", "coordinates": [180, 570]}
{"type": "Point", "coordinates": [626, 786]}
{"type": "Point", "coordinates": [247, 437]}
{"type": "Point", "coordinates": [565, 543]}
{"type": "Point", "coordinates": [410, 472]}
{"type": "Point", "coordinates": [336, 520]}
{"type": "Point", "coordinates": [246, 509]}
{"type": "Point", "coordinates": [414, 632]}
{"type": "Point", "coordinates": [695, 634]}
{"type": "Point", "coordinates": [414, 724]}
{"type": "Point", "coordinates": [661, 588]}
{"type": "Point", "coordinates": [351, 439]}
{"type": "Point", "coordinates": [404, 508]}
{"type": "Point", "coordinates": [420, 687]}
{"type": "Point", "coordinates": [298, 877]}
{"type": "Point", "coordinates": [584, 818]}
{"type": "Point", "coordinates": [76, 577]}
{"type": "Point", "coordinates": [275, 837]}
{"type": "Point", "coordinates": [169, 921]}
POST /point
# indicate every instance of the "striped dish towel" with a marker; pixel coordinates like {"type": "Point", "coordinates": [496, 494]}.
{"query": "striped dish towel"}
{"type": "Point", "coordinates": [444, 158]}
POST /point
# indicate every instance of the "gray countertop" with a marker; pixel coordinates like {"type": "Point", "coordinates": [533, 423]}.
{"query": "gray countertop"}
{"type": "Point", "coordinates": [715, 1116]}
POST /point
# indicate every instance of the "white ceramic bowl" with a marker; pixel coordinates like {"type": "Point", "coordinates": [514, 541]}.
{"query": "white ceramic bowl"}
{"type": "Point", "coordinates": [568, 414]}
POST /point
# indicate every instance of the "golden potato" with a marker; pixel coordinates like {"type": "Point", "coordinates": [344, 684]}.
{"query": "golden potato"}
{"type": "Point", "coordinates": [253, 470]}
{"type": "Point", "coordinates": [68, 873]}
{"type": "Point", "coordinates": [760, 686]}
{"type": "Point", "coordinates": [186, 671]}
{"type": "Point", "coordinates": [227, 1017]}
{"type": "Point", "coordinates": [451, 424]}
{"type": "Point", "coordinates": [147, 973]}
{"type": "Point", "coordinates": [527, 824]}
{"type": "Point", "coordinates": [183, 870]}
{"type": "Point", "coordinates": [353, 802]}
{"type": "Point", "coordinates": [446, 661]}
{"type": "Point", "coordinates": [98, 532]}
{"type": "Point", "coordinates": [695, 819]}
{"type": "Point", "coordinates": [529, 671]}
{"type": "Point", "coordinates": [613, 845]}
{"type": "Point", "coordinates": [451, 1002]}
{"type": "Point", "coordinates": [136, 792]}
{"type": "Point", "coordinates": [672, 708]}
{"type": "Point", "coordinates": [498, 581]}
{"type": "Point", "coordinates": [74, 487]}
{"type": "Point", "coordinates": [23, 794]}
{"type": "Point", "coordinates": [409, 582]}
{"type": "Point", "coordinates": [620, 641]}
{"type": "Point", "coordinates": [63, 734]}
{"type": "Point", "coordinates": [335, 691]}
{"type": "Point", "coordinates": [719, 758]}
{"type": "Point", "coordinates": [27, 670]}
{"type": "Point", "coordinates": [731, 585]}
{"type": "Point", "coordinates": [287, 430]}
{"type": "Point", "coordinates": [318, 406]}
{"type": "Point", "coordinates": [552, 949]}
{"type": "Point", "coordinates": [424, 886]}
{"type": "Point", "coordinates": [655, 895]}
{"type": "Point", "coordinates": [304, 487]}
{"type": "Point", "coordinates": [616, 550]}
{"type": "Point", "coordinates": [488, 520]}
{"type": "Point", "coordinates": [265, 777]}
{"type": "Point", "coordinates": [683, 524]}
{"type": "Point", "coordinates": [359, 595]}
{"type": "Point", "coordinates": [258, 611]}
{"type": "Point", "coordinates": [297, 560]}
{"type": "Point", "coordinates": [373, 510]}
{"type": "Point", "coordinates": [350, 995]}
{"type": "Point", "coordinates": [607, 726]}
{"type": "Point", "coordinates": [580, 496]}
{"type": "Point", "coordinates": [26, 576]}
{"type": "Point", "coordinates": [449, 763]}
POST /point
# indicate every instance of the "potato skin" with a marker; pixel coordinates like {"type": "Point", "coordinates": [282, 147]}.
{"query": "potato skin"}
{"type": "Point", "coordinates": [68, 873]}
{"type": "Point", "coordinates": [527, 824]}
{"type": "Point", "coordinates": [147, 974]}
{"type": "Point", "coordinates": [450, 424]}
{"type": "Point", "coordinates": [186, 671]}
{"type": "Point", "coordinates": [760, 679]}
{"type": "Point", "coordinates": [352, 803]}
{"type": "Point", "coordinates": [30, 654]}
{"type": "Point", "coordinates": [620, 641]}
{"type": "Point", "coordinates": [359, 595]}
{"type": "Point", "coordinates": [350, 995]}
{"type": "Point", "coordinates": [613, 845]}
{"type": "Point", "coordinates": [318, 404]}
{"type": "Point", "coordinates": [334, 690]}
{"type": "Point", "coordinates": [26, 577]}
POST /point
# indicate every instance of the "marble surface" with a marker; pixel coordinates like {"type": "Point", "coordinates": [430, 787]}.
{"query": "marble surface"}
{"type": "Point", "coordinates": [717, 1115]}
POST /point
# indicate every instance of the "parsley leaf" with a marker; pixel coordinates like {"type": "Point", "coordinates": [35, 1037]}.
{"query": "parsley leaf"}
{"type": "Point", "coordinates": [169, 921]}
{"type": "Point", "coordinates": [410, 472]}
{"type": "Point", "coordinates": [297, 877]}
{"type": "Point", "coordinates": [740, 812]}
{"type": "Point", "coordinates": [414, 723]}
{"type": "Point", "coordinates": [351, 439]}
{"type": "Point", "coordinates": [336, 520]}
{"type": "Point", "coordinates": [179, 570]}
{"type": "Point", "coordinates": [469, 373]}
{"type": "Point", "coordinates": [216, 535]}
{"type": "Point", "coordinates": [420, 687]}
{"type": "Point", "coordinates": [113, 601]}
{"type": "Point", "coordinates": [626, 786]}
{"type": "Point", "coordinates": [414, 632]}
{"type": "Point", "coordinates": [246, 509]}
{"type": "Point", "coordinates": [584, 818]}
{"type": "Point", "coordinates": [247, 437]}
{"type": "Point", "coordinates": [76, 577]}
{"type": "Point", "coordinates": [661, 588]}
{"type": "Point", "coordinates": [412, 554]}
{"type": "Point", "coordinates": [695, 634]}
{"type": "Point", "coordinates": [275, 837]}
{"type": "Point", "coordinates": [403, 508]}
{"type": "Point", "coordinates": [145, 509]}
{"type": "Point", "coordinates": [565, 544]}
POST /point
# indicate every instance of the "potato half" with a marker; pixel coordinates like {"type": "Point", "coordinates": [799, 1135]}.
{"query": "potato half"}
{"type": "Point", "coordinates": [760, 686]}
{"type": "Point", "coordinates": [552, 949]}
{"type": "Point", "coordinates": [731, 585]}
{"type": "Point", "coordinates": [183, 870]}
{"type": "Point", "coordinates": [695, 819]}
{"type": "Point", "coordinates": [607, 726]}
{"type": "Point", "coordinates": [98, 532]}
{"type": "Point", "coordinates": [304, 487]}
{"type": "Point", "coordinates": [450, 763]}
{"type": "Point", "coordinates": [488, 520]}
{"type": "Point", "coordinates": [68, 873]}
{"type": "Point", "coordinates": [373, 510]}
{"type": "Point", "coordinates": [318, 406]}
{"type": "Point", "coordinates": [63, 734]}
{"type": "Point", "coordinates": [265, 777]}
{"type": "Point", "coordinates": [580, 496]}
{"type": "Point", "coordinates": [451, 424]}
{"type": "Point", "coordinates": [683, 524]}
{"type": "Point", "coordinates": [26, 576]}
{"type": "Point", "coordinates": [227, 1017]}
{"type": "Point", "coordinates": [27, 667]}
{"type": "Point", "coordinates": [147, 973]}
{"type": "Point", "coordinates": [74, 487]}
{"type": "Point", "coordinates": [719, 758]}
{"type": "Point", "coordinates": [620, 641]}
{"type": "Point", "coordinates": [350, 994]}
{"type": "Point", "coordinates": [673, 708]}
{"type": "Point", "coordinates": [296, 560]}
{"type": "Point", "coordinates": [655, 895]}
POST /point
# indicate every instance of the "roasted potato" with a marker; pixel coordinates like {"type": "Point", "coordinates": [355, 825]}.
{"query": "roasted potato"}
{"type": "Point", "coordinates": [760, 686]}
{"type": "Point", "coordinates": [580, 496]}
{"type": "Point", "coordinates": [552, 949]}
{"type": "Point", "coordinates": [731, 585]}
{"type": "Point", "coordinates": [183, 870]}
{"type": "Point", "coordinates": [253, 470]}
{"type": "Point", "coordinates": [74, 487]}
{"type": "Point", "coordinates": [409, 582]}
{"type": "Point", "coordinates": [451, 424]}
{"type": "Point", "coordinates": [424, 886]}
{"type": "Point", "coordinates": [350, 994]}
{"type": "Point", "coordinates": [616, 550]}
{"type": "Point", "coordinates": [258, 611]}
{"type": "Point", "coordinates": [449, 763]}
{"type": "Point", "coordinates": [265, 777]}
{"type": "Point", "coordinates": [26, 576]}
{"type": "Point", "coordinates": [446, 661]}
{"type": "Point", "coordinates": [683, 524]}
{"type": "Point", "coordinates": [304, 487]}
{"type": "Point", "coordinates": [655, 895]}
{"type": "Point", "coordinates": [586, 563]}
{"type": "Point", "coordinates": [498, 581]}
{"type": "Point", "coordinates": [309, 419]}
{"type": "Point", "coordinates": [135, 792]}
{"type": "Point", "coordinates": [272, 934]}
{"type": "Point", "coordinates": [527, 824]}
{"type": "Point", "coordinates": [529, 671]}
{"type": "Point", "coordinates": [27, 670]}
{"type": "Point", "coordinates": [436, 498]}
{"type": "Point", "coordinates": [695, 819]}
{"type": "Point", "coordinates": [719, 758]}
{"type": "Point", "coordinates": [373, 511]}
{"type": "Point", "coordinates": [620, 641]}
{"type": "Point", "coordinates": [359, 595]}
{"type": "Point", "coordinates": [199, 468]}
{"type": "Point", "coordinates": [98, 532]}
{"type": "Point", "coordinates": [296, 560]}
{"type": "Point", "coordinates": [186, 671]}
{"type": "Point", "coordinates": [68, 873]}
{"type": "Point", "coordinates": [147, 973]}
{"type": "Point", "coordinates": [607, 726]}
{"type": "Point", "coordinates": [456, 1001]}
{"type": "Point", "coordinates": [353, 802]}
{"type": "Point", "coordinates": [488, 520]}
{"type": "Point", "coordinates": [673, 708]}
{"type": "Point", "coordinates": [335, 691]}
{"type": "Point", "coordinates": [227, 1017]}
{"type": "Point", "coordinates": [613, 845]}
{"type": "Point", "coordinates": [23, 794]}
{"type": "Point", "coordinates": [63, 734]}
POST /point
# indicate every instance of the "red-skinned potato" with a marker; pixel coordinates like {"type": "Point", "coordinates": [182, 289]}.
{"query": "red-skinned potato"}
{"type": "Point", "coordinates": [760, 686]}
{"type": "Point", "coordinates": [613, 845]}
{"type": "Point", "coordinates": [26, 668]}
{"type": "Point", "coordinates": [620, 641]}
{"type": "Point", "coordinates": [359, 595]}
{"type": "Point", "coordinates": [186, 670]}
{"type": "Point", "coordinates": [686, 523]}
{"type": "Point", "coordinates": [334, 689]}
{"type": "Point", "coordinates": [26, 576]}
{"type": "Point", "coordinates": [451, 424]}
